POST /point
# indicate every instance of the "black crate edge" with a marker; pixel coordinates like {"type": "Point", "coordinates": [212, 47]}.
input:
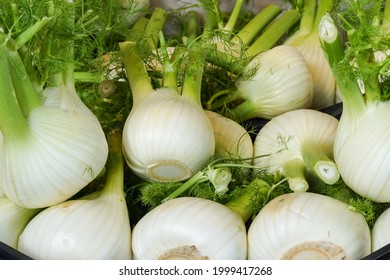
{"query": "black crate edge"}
{"type": "Point", "coordinates": [9, 253]}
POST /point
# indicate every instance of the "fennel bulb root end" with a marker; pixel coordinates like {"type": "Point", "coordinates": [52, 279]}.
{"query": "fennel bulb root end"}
{"type": "Point", "coordinates": [168, 170]}
{"type": "Point", "coordinates": [186, 252]}
{"type": "Point", "coordinates": [315, 250]}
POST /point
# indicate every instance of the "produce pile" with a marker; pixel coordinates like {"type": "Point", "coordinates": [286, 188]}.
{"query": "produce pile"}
{"type": "Point", "coordinates": [204, 129]}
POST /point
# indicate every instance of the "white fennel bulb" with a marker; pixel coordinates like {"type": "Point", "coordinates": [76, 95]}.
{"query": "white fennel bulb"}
{"type": "Point", "coordinates": [281, 82]}
{"type": "Point", "coordinates": [232, 140]}
{"type": "Point", "coordinates": [189, 228]}
{"type": "Point", "coordinates": [308, 226]}
{"type": "Point", "coordinates": [361, 146]}
{"type": "Point", "coordinates": [48, 154]}
{"type": "Point", "coordinates": [298, 142]}
{"type": "Point", "coordinates": [13, 219]}
{"type": "Point", "coordinates": [380, 231]}
{"type": "Point", "coordinates": [167, 135]}
{"type": "Point", "coordinates": [167, 138]}
{"type": "Point", "coordinates": [324, 85]}
{"type": "Point", "coordinates": [270, 78]}
{"type": "Point", "coordinates": [306, 40]}
{"type": "Point", "coordinates": [96, 226]}
{"type": "Point", "coordinates": [361, 151]}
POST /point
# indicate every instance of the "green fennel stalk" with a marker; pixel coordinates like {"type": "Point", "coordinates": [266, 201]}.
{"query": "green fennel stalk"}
{"type": "Point", "coordinates": [115, 165]}
{"type": "Point", "coordinates": [13, 124]}
{"type": "Point", "coordinates": [139, 80]}
{"type": "Point", "coordinates": [19, 96]}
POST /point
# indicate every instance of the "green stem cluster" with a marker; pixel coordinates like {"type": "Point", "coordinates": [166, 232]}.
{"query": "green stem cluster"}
{"type": "Point", "coordinates": [249, 32]}
{"type": "Point", "coordinates": [27, 95]}
{"type": "Point", "coordinates": [266, 22]}
{"type": "Point", "coordinates": [18, 96]}
{"type": "Point", "coordinates": [274, 32]}
{"type": "Point", "coordinates": [137, 74]}
{"type": "Point", "coordinates": [355, 62]}
{"type": "Point", "coordinates": [13, 124]}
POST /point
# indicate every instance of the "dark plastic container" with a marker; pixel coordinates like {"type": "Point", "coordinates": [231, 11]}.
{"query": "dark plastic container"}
{"type": "Point", "coordinates": [380, 254]}
{"type": "Point", "coordinates": [9, 253]}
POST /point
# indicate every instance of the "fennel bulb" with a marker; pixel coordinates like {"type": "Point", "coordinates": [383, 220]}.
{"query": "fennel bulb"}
{"type": "Point", "coordinates": [13, 219]}
{"type": "Point", "coordinates": [189, 228]}
{"type": "Point", "coordinates": [50, 154]}
{"type": "Point", "coordinates": [50, 151]}
{"type": "Point", "coordinates": [380, 230]}
{"type": "Point", "coordinates": [296, 143]}
{"type": "Point", "coordinates": [308, 226]}
{"type": "Point", "coordinates": [269, 79]}
{"type": "Point", "coordinates": [361, 145]}
{"type": "Point", "coordinates": [167, 138]}
{"type": "Point", "coordinates": [167, 135]}
{"type": "Point", "coordinates": [96, 226]}
{"type": "Point", "coordinates": [361, 150]}
{"type": "Point", "coordinates": [281, 82]}
{"type": "Point", "coordinates": [231, 139]}
{"type": "Point", "coordinates": [306, 40]}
